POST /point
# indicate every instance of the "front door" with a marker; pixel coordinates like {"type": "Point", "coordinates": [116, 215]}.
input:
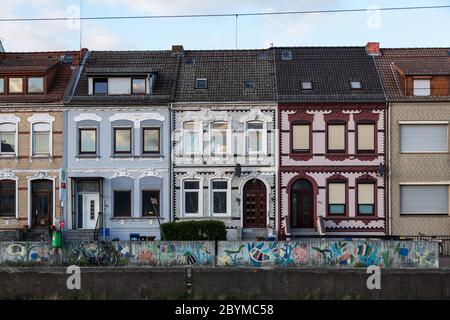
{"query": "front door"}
{"type": "Point", "coordinates": [91, 205]}
{"type": "Point", "coordinates": [42, 203]}
{"type": "Point", "coordinates": [302, 214]}
{"type": "Point", "coordinates": [255, 204]}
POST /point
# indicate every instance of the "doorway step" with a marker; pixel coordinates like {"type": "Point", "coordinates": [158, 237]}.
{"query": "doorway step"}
{"type": "Point", "coordinates": [253, 233]}
{"type": "Point", "coordinates": [78, 235]}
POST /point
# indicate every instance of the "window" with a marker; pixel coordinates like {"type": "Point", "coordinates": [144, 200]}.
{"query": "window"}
{"type": "Point", "coordinates": [255, 130]}
{"type": "Point", "coordinates": [7, 138]}
{"type": "Point", "coordinates": [41, 139]}
{"type": "Point", "coordinates": [138, 86]}
{"type": "Point", "coordinates": [366, 137]}
{"type": "Point", "coordinates": [301, 134]}
{"type": "Point", "coordinates": [88, 141]}
{"type": "Point", "coordinates": [122, 140]}
{"type": "Point", "coordinates": [336, 198]}
{"type": "Point", "coordinates": [2, 86]}
{"type": "Point", "coordinates": [219, 132]}
{"type": "Point", "coordinates": [191, 199]}
{"type": "Point", "coordinates": [150, 203]}
{"type": "Point", "coordinates": [15, 85]}
{"type": "Point", "coordinates": [100, 85]}
{"type": "Point", "coordinates": [366, 198]}
{"type": "Point", "coordinates": [7, 198]}
{"type": "Point", "coordinates": [122, 203]}
{"type": "Point", "coordinates": [306, 85]}
{"type": "Point", "coordinates": [424, 199]}
{"type": "Point", "coordinates": [150, 141]}
{"type": "Point", "coordinates": [219, 197]}
{"type": "Point", "coordinates": [336, 138]}
{"type": "Point", "coordinates": [35, 85]}
{"type": "Point", "coordinates": [356, 85]}
{"type": "Point", "coordinates": [192, 138]}
{"type": "Point", "coordinates": [201, 83]}
{"type": "Point", "coordinates": [423, 138]}
{"type": "Point", "coordinates": [422, 87]}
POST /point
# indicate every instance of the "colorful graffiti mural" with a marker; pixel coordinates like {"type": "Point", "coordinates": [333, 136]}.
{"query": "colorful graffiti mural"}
{"type": "Point", "coordinates": [328, 253]}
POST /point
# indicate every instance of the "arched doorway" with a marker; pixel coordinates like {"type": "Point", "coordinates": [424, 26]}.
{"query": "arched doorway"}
{"type": "Point", "coordinates": [42, 203]}
{"type": "Point", "coordinates": [255, 204]}
{"type": "Point", "coordinates": [302, 204]}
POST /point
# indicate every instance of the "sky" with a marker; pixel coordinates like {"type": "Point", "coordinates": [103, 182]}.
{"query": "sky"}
{"type": "Point", "coordinates": [409, 28]}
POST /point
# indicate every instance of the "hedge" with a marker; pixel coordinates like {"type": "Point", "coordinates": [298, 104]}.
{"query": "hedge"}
{"type": "Point", "coordinates": [194, 230]}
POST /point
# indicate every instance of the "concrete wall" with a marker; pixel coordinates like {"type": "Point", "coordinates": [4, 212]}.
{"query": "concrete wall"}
{"type": "Point", "coordinates": [314, 253]}
{"type": "Point", "coordinates": [417, 168]}
{"type": "Point", "coordinates": [329, 253]}
{"type": "Point", "coordinates": [223, 283]}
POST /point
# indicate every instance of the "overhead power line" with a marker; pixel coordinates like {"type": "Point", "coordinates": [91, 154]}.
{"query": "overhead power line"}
{"type": "Point", "coordinates": [248, 14]}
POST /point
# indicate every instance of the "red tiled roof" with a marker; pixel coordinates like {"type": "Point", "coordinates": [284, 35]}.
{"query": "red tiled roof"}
{"type": "Point", "coordinates": [26, 63]}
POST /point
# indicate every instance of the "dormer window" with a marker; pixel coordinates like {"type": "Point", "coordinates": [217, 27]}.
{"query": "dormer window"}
{"type": "Point", "coordinates": [2, 85]}
{"type": "Point", "coordinates": [36, 85]}
{"type": "Point", "coordinates": [307, 85]}
{"type": "Point", "coordinates": [422, 87]}
{"type": "Point", "coordinates": [356, 85]}
{"type": "Point", "coordinates": [138, 86]}
{"type": "Point", "coordinates": [100, 85]}
{"type": "Point", "coordinates": [15, 85]}
{"type": "Point", "coordinates": [201, 83]}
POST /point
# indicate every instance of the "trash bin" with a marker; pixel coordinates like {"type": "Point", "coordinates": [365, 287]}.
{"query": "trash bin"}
{"type": "Point", "coordinates": [56, 239]}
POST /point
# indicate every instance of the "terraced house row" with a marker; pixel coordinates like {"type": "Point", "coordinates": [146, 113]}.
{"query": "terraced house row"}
{"type": "Point", "coordinates": [284, 141]}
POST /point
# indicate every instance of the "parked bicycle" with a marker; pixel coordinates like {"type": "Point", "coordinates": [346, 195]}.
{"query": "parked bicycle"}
{"type": "Point", "coordinates": [104, 255]}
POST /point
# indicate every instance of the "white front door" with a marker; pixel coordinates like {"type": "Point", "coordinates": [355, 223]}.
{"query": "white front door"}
{"type": "Point", "coordinates": [91, 204]}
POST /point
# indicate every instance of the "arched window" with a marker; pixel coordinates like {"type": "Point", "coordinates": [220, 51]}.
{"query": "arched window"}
{"type": "Point", "coordinates": [7, 198]}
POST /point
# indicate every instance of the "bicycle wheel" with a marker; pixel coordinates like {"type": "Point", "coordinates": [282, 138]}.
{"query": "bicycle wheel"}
{"type": "Point", "coordinates": [107, 258]}
{"type": "Point", "coordinates": [75, 257]}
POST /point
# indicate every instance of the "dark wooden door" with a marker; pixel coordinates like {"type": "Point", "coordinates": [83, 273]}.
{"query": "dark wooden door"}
{"type": "Point", "coordinates": [255, 204]}
{"type": "Point", "coordinates": [302, 209]}
{"type": "Point", "coordinates": [42, 203]}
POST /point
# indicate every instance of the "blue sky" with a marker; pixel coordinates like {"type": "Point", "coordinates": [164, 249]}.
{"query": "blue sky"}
{"type": "Point", "coordinates": [411, 28]}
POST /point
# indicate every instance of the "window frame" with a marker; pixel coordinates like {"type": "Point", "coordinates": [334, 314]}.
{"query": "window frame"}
{"type": "Point", "coordinates": [15, 189]}
{"type": "Point", "coordinates": [118, 128]}
{"type": "Point", "coordinates": [263, 150]}
{"type": "Point", "coordinates": [145, 85]}
{"type": "Point", "coordinates": [198, 128]}
{"type": "Point", "coordinates": [199, 192]}
{"type": "Point", "coordinates": [143, 140]}
{"type": "Point", "coordinates": [80, 151]}
{"type": "Point", "coordinates": [36, 92]}
{"type": "Point", "coordinates": [337, 151]}
{"type": "Point", "coordinates": [227, 136]}
{"type": "Point", "coordinates": [9, 85]}
{"type": "Point", "coordinates": [115, 215]}
{"type": "Point", "coordinates": [100, 79]}
{"type": "Point", "coordinates": [375, 197]}
{"type": "Point", "coordinates": [375, 137]}
{"type": "Point", "coordinates": [336, 181]}
{"type": "Point", "coordinates": [142, 203]}
{"type": "Point", "coordinates": [297, 151]}
{"type": "Point", "coordinates": [212, 191]}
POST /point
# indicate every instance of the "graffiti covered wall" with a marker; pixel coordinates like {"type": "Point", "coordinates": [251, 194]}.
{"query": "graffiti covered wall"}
{"type": "Point", "coordinates": [329, 253]}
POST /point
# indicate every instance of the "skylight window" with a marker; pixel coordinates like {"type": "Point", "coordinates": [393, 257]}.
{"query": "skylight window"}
{"type": "Point", "coordinates": [356, 84]}
{"type": "Point", "coordinates": [307, 85]}
{"type": "Point", "coordinates": [249, 84]}
{"type": "Point", "coordinates": [201, 83]}
{"type": "Point", "coordinates": [286, 55]}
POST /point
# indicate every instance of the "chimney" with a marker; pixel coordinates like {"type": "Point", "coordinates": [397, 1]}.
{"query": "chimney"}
{"type": "Point", "coordinates": [1, 46]}
{"type": "Point", "coordinates": [373, 49]}
{"type": "Point", "coordinates": [177, 50]}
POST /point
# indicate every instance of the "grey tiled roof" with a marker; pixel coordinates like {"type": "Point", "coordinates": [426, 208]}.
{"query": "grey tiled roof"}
{"type": "Point", "coordinates": [330, 69]}
{"type": "Point", "coordinates": [411, 61]}
{"type": "Point", "coordinates": [227, 71]}
{"type": "Point", "coordinates": [163, 63]}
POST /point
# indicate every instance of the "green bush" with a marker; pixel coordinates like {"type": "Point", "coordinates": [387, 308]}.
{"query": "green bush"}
{"type": "Point", "coordinates": [194, 230]}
